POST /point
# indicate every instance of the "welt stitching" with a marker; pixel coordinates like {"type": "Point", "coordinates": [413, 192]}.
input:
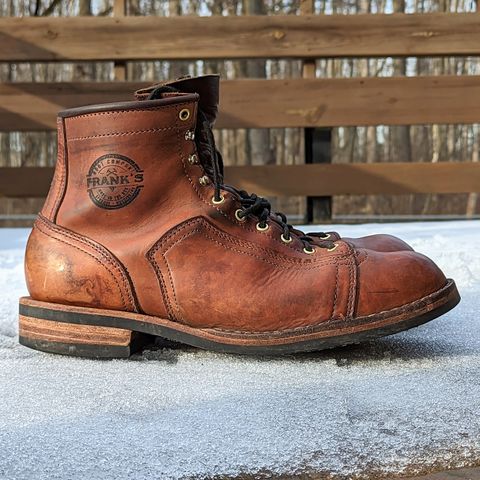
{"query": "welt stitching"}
{"type": "Point", "coordinates": [121, 134]}
{"type": "Point", "coordinates": [315, 327]}
{"type": "Point", "coordinates": [89, 254]}
{"type": "Point", "coordinates": [105, 256]}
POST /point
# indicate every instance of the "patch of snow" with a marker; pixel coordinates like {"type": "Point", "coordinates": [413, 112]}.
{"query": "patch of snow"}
{"type": "Point", "coordinates": [395, 405]}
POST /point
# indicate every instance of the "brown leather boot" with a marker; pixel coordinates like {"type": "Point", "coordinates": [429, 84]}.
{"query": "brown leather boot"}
{"type": "Point", "coordinates": [139, 237]}
{"type": "Point", "coordinates": [208, 87]}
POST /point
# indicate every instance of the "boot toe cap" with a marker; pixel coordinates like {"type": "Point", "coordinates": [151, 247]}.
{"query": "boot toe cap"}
{"type": "Point", "coordinates": [393, 279]}
{"type": "Point", "coordinates": [380, 243]}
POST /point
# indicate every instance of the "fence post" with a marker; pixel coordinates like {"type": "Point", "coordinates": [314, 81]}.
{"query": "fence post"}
{"type": "Point", "coordinates": [119, 68]}
{"type": "Point", "coordinates": [317, 142]}
{"type": "Point", "coordinates": [318, 150]}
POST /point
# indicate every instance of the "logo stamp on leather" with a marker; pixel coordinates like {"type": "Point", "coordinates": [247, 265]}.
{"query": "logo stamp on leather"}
{"type": "Point", "coordinates": [114, 181]}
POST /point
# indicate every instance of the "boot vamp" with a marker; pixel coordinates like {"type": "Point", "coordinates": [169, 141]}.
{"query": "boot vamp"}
{"type": "Point", "coordinates": [217, 280]}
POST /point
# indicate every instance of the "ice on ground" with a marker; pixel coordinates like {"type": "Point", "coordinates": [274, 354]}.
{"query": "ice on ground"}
{"type": "Point", "coordinates": [401, 404]}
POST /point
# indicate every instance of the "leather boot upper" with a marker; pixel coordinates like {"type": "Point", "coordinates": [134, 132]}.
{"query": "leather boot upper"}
{"type": "Point", "coordinates": [132, 208]}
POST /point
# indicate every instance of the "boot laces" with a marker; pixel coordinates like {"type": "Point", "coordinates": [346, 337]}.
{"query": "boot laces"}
{"type": "Point", "coordinates": [252, 204]}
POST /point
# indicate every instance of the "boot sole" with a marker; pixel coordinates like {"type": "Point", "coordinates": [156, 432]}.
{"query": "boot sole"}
{"type": "Point", "coordinates": [98, 333]}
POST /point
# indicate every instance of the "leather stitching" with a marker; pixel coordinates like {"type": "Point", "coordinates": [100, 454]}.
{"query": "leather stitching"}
{"type": "Point", "coordinates": [163, 287]}
{"type": "Point", "coordinates": [121, 134]}
{"type": "Point", "coordinates": [300, 263]}
{"type": "Point", "coordinates": [164, 255]}
{"type": "Point", "coordinates": [114, 112]}
{"type": "Point", "coordinates": [105, 255]}
{"type": "Point", "coordinates": [364, 257]}
{"type": "Point", "coordinates": [59, 181]}
{"type": "Point", "coordinates": [89, 254]}
{"type": "Point", "coordinates": [335, 296]}
{"type": "Point", "coordinates": [151, 257]}
{"type": "Point", "coordinates": [314, 328]}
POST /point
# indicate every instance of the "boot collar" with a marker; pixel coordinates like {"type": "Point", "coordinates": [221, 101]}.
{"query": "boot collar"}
{"type": "Point", "coordinates": [206, 86]}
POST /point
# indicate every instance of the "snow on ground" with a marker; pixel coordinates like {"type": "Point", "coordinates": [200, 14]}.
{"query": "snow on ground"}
{"type": "Point", "coordinates": [402, 404]}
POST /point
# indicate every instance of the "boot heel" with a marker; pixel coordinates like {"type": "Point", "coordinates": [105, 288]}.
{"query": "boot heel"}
{"type": "Point", "coordinates": [79, 340]}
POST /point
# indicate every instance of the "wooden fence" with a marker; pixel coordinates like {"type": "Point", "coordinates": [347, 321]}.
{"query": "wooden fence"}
{"type": "Point", "coordinates": [309, 102]}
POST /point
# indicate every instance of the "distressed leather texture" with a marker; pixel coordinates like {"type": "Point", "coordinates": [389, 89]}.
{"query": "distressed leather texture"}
{"type": "Point", "coordinates": [129, 226]}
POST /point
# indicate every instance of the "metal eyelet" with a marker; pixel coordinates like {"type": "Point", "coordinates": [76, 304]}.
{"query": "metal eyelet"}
{"type": "Point", "coordinates": [286, 240]}
{"type": "Point", "coordinates": [331, 249]}
{"type": "Point", "coordinates": [218, 202]}
{"type": "Point", "coordinates": [239, 215]}
{"type": "Point", "coordinates": [310, 251]}
{"type": "Point", "coordinates": [325, 236]}
{"type": "Point", "coordinates": [184, 114]}
{"type": "Point", "coordinates": [189, 135]}
{"type": "Point", "coordinates": [204, 181]}
{"type": "Point", "coordinates": [193, 159]}
{"type": "Point", "coordinates": [262, 229]}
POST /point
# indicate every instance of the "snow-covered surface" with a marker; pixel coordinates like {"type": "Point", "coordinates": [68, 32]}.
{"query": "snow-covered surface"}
{"type": "Point", "coordinates": [397, 405]}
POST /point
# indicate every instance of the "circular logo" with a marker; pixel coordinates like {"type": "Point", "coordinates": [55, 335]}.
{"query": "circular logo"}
{"type": "Point", "coordinates": [114, 181]}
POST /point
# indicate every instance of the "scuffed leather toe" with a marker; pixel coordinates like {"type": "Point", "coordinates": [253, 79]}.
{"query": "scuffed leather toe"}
{"type": "Point", "coordinates": [380, 243]}
{"type": "Point", "coordinates": [387, 280]}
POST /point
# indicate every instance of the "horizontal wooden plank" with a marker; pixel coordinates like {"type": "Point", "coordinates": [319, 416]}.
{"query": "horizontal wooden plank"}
{"type": "Point", "coordinates": [272, 103]}
{"type": "Point", "coordinates": [308, 180]}
{"type": "Point", "coordinates": [346, 179]}
{"type": "Point", "coordinates": [277, 36]}
{"type": "Point", "coordinates": [18, 182]}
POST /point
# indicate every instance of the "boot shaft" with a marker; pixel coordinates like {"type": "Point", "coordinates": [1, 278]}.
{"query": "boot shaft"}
{"type": "Point", "coordinates": [118, 164]}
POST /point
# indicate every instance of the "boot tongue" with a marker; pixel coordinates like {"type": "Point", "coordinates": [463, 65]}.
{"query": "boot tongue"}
{"type": "Point", "coordinates": [206, 86]}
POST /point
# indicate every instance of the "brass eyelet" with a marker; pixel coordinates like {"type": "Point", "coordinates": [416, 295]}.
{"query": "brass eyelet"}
{"type": "Point", "coordinates": [204, 181]}
{"type": "Point", "coordinates": [239, 216]}
{"type": "Point", "coordinates": [218, 202]}
{"type": "Point", "coordinates": [286, 240]}
{"type": "Point", "coordinates": [309, 251]}
{"type": "Point", "coordinates": [325, 236]}
{"type": "Point", "coordinates": [193, 159]}
{"type": "Point", "coordinates": [262, 229]}
{"type": "Point", "coordinates": [335, 245]}
{"type": "Point", "coordinates": [184, 114]}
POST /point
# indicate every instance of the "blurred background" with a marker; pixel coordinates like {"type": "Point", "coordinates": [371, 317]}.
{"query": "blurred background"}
{"type": "Point", "coordinates": [432, 143]}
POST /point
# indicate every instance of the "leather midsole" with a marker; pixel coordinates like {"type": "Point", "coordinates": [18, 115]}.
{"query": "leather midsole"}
{"type": "Point", "coordinates": [163, 327]}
